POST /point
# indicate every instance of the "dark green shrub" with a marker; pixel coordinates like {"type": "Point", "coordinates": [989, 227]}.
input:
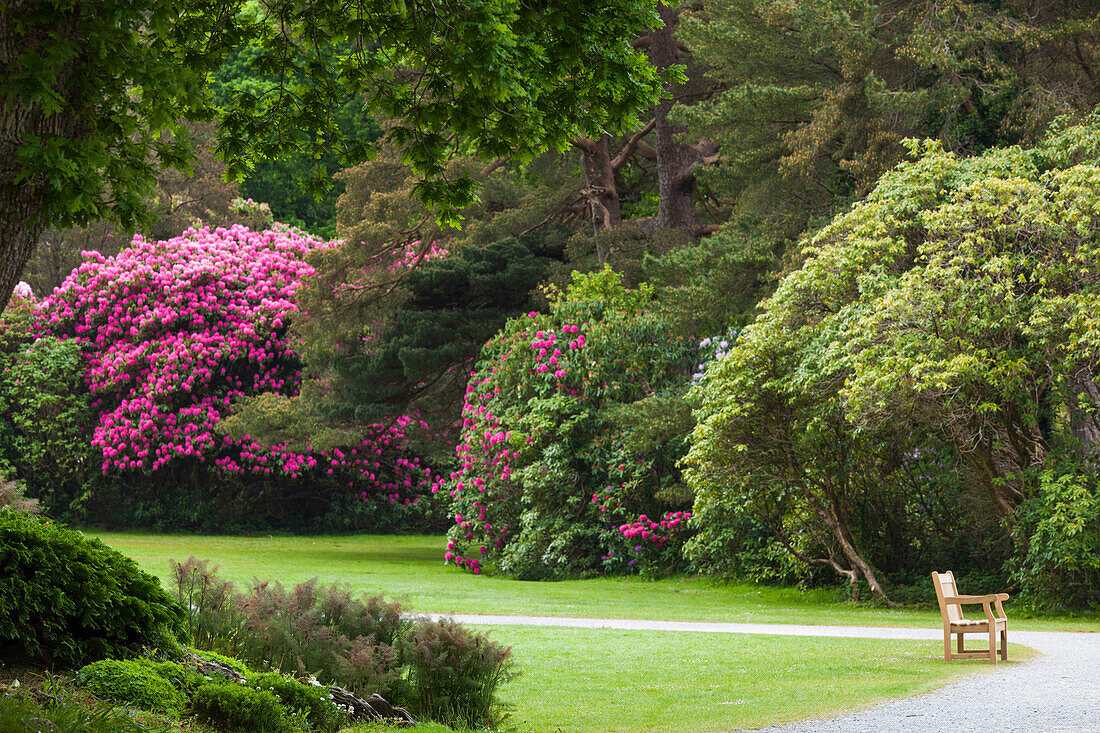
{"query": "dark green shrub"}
{"type": "Point", "coordinates": [49, 417]}
{"type": "Point", "coordinates": [232, 707]}
{"type": "Point", "coordinates": [455, 673]}
{"type": "Point", "coordinates": [313, 700]}
{"type": "Point", "coordinates": [73, 600]}
{"type": "Point", "coordinates": [133, 682]}
{"type": "Point", "coordinates": [1059, 569]}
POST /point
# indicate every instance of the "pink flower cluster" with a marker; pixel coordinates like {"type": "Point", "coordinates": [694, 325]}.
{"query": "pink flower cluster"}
{"type": "Point", "coordinates": [176, 330]}
{"type": "Point", "coordinates": [471, 562]}
{"type": "Point", "coordinates": [657, 533]}
{"type": "Point", "coordinates": [480, 452]}
{"type": "Point", "coordinates": [546, 347]}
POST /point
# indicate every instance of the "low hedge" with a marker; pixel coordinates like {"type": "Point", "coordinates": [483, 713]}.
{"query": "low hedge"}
{"type": "Point", "coordinates": [137, 682]}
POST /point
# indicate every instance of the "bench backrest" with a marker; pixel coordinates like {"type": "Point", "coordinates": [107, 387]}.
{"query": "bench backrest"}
{"type": "Point", "coordinates": [945, 587]}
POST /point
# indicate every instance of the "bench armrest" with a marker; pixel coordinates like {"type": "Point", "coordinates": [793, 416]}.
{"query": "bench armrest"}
{"type": "Point", "coordinates": [985, 601]}
{"type": "Point", "coordinates": [960, 600]}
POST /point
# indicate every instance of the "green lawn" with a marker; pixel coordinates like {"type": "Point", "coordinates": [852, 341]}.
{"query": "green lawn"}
{"type": "Point", "coordinates": [591, 680]}
{"type": "Point", "coordinates": [410, 568]}
{"type": "Point", "coordinates": [607, 680]}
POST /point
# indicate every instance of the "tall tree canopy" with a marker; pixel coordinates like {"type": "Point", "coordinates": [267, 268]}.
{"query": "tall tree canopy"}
{"type": "Point", "coordinates": [946, 325]}
{"type": "Point", "coordinates": [818, 95]}
{"type": "Point", "coordinates": [92, 93]}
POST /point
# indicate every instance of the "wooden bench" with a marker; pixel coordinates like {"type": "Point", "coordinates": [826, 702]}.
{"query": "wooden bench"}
{"type": "Point", "coordinates": [954, 622]}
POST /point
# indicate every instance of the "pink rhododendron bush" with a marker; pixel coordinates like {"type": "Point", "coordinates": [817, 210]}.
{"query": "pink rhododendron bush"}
{"type": "Point", "coordinates": [572, 428]}
{"type": "Point", "coordinates": [165, 339]}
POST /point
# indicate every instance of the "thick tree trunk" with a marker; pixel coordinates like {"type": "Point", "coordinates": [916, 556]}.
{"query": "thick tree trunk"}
{"type": "Point", "coordinates": [1083, 424]}
{"type": "Point", "coordinates": [599, 177]}
{"type": "Point", "coordinates": [848, 547]}
{"type": "Point", "coordinates": [20, 228]}
{"type": "Point", "coordinates": [21, 201]}
{"type": "Point", "coordinates": [675, 161]}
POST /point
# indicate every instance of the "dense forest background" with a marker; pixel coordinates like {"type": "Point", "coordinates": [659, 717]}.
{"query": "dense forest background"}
{"type": "Point", "coordinates": [826, 312]}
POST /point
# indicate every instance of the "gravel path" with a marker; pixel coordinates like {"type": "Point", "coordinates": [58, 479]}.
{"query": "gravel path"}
{"type": "Point", "coordinates": [1056, 692]}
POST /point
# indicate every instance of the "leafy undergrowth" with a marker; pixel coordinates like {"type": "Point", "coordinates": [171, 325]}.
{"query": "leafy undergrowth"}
{"type": "Point", "coordinates": [33, 700]}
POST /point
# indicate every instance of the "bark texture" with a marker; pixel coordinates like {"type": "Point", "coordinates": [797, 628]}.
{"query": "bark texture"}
{"type": "Point", "coordinates": [599, 177]}
{"type": "Point", "coordinates": [22, 202]}
{"type": "Point", "coordinates": [675, 161]}
{"type": "Point", "coordinates": [1084, 400]}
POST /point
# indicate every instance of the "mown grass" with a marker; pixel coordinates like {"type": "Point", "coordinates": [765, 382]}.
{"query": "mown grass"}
{"type": "Point", "coordinates": [604, 680]}
{"type": "Point", "coordinates": [410, 569]}
{"type": "Point", "coordinates": [592, 680]}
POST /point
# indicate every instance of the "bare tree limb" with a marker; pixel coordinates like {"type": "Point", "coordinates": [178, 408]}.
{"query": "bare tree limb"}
{"type": "Point", "coordinates": [632, 144]}
{"type": "Point", "coordinates": [495, 164]}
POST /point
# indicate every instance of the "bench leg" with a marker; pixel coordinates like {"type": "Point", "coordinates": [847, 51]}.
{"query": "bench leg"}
{"type": "Point", "coordinates": [993, 645]}
{"type": "Point", "coordinates": [1004, 645]}
{"type": "Point", "coordinates": [946, 645]}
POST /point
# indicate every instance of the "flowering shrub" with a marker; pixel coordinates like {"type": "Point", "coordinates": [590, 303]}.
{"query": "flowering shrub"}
{"type": "Point", "coordinates": [548, 472]}
{"type": "Point", "coordinates": [646, 544]}
{"type": "Point", "coordinates": [174, 331]}
{"type": "Point", "coordinates": [711, 350]}
{"type": "Point", "coordinates": [171, 335]}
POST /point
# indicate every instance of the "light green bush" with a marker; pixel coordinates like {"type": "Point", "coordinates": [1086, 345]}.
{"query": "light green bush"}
{"type": "Point", "coordinates": [233, 707]}
{"type": "Point", "coordinates": [313, 700]}
{"type": "Point", "coordinates": [132, 682]}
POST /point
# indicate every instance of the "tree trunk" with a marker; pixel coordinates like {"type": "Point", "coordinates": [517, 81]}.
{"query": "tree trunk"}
{"type": "Point", "coordinates": [848, 546]}
{"type": "Point", "coordinates": [1084, 398]}
{"type": "Point", "coordinates": [832, 516]}
{"type": "Point", "coordinates": [21, 201]}
{"type": "Point", "coordinates": [20, 228]}
{"type": "Point", "coordinates": [675, 162]}
{"type": "Point", "coordinates": [599, 177]}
